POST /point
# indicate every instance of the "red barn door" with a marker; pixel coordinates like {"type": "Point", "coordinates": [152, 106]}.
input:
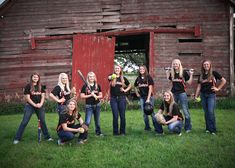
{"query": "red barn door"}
{"type": "Point", "coordinates": [93, 53]}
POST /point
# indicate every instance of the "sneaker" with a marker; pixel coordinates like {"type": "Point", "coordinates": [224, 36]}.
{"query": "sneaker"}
{"type": "Point", "coordinates": [147, 129]}
{"type": "Point", "coordinates": [59, 142]}
{"type": "Point", "coordinates": [188, 131]}
{"type": "Point", "coordinates": [50, 139]}
{"type": "Point", "coordinates": [99, 135]}
{"type": "Point", "coordinates": [213, 133]}
{"type": "Point", "coordinates": [16, 142]}
{"type": "Point", "coordinates": [84, 140]}
{"type": "Point", "coordinates": [160, 134]}
{"type": "Point", "coordinates": [179, 134]}
{"type": "Point", "coordinates": [80, 142]}
{"type": "Point", "coordinates": [207, 131]}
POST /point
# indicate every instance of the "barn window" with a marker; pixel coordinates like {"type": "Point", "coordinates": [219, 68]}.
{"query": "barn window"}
{"type": "Point", "coordinates": [190, 47]}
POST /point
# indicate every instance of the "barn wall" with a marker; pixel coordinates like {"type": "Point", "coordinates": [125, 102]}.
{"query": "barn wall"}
{"type": "Point", "coordinates": [65, 17]}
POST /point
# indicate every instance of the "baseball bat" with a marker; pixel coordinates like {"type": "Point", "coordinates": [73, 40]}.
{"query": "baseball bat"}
{"type": "Point", "coordinates": [84, 81]}
{"type": "Point", "coordinates": [39, 131]}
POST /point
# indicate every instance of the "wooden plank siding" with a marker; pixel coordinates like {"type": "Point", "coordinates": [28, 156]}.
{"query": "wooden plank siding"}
{"type": "Point", "coordinates": [26, 19]}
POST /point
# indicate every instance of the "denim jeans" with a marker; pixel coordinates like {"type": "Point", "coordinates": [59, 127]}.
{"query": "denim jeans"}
{"type": "Point", "coordinates": [182, 100]}
{"type": "Point", "coordinates": [67, 135]}
{"type": "Point", "coordinates": [146, 118]}
{"type": "Point", "coordinates": [28, 111]}
{"type": "Point", "coordinates": [174, 127]}
{"type": "Point", "coordinates": [60, 108]}
{"type": "Point", "coordinates": [208, 104]}
{"type": "Point", "coordinates": [93, 109]}
{"type": "Point", "coordinates": [118, 106]}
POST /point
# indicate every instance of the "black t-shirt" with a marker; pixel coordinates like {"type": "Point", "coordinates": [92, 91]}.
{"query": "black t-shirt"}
{"type": "Point", "coordinates": [57, 91]}
{"type": "Point", "coordinates": [207, 85]}
{"type": "Point", "coordinates": [87, 91]}
{"type": "Point", "coordinates": [66, 118]}
{"type": "Point", "coordinates": [143, 85]}
{"type": "Point", "coordinates": [178, 84]}
{"type": "Point", "coordinates": [35, 95]}
{"type": "Point", "coordinates": [175, 111]}
{"type": "Point", "coordinates": [115, 91]}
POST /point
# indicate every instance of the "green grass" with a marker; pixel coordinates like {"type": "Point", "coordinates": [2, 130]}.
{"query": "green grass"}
{"type": "Point", "coordinates": [137, 149]}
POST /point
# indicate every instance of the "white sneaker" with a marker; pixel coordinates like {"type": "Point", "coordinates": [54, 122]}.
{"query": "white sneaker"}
{"type": "Point", "coordinates": [59, 142]}
{"type": "Point", "coordinates": [179, 134]}
{"type": "Point", "coordinates": [16, 142]}
{"type": "Point", "coordinates": [213, 133]}
{"type": "Point", "coordinates": [188, 131]}
{"type": "Point", "coordinates": [50, 139]}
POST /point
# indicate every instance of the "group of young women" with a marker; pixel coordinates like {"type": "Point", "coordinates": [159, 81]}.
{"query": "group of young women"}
{"type": "Point", "coordinates": [119, 87]}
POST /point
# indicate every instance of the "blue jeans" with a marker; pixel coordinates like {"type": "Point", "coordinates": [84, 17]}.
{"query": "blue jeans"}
{"type": "Point", "coordinates": [93, 109]}
{"type": "Point", "coordinates": [174, 127]}
{"type": "Point", "coordinates": [146, 118]}
{"type": "Point", "coordinates": [118, 106]}
{"type": "Point", "coordinates": [67, 135]}
{"type": "Point", "coordinates": [60, 108]}
{"type": "Point", "coordinates": [208, 104]}
{"type": "Point", "coordinates": [28, 111]}
{"type": "Point", "coordinates": [182, 99]}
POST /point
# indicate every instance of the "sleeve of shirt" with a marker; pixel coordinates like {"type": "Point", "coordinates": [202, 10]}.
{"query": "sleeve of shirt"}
{"type": "Point", "coordinates": [63, 118]}
{"type": "Point", "coordinates": [162, 106]}
{"type": "Point", "coordinates": [56, 91]}
{"type": "Point", "coordinates": [217, 75]}
{"type": "Point", "coordinates": [126, 81]}
{"type": "Point", "coordinates": [186, 76]}
{"type": "Point", "coordinates": [79, 116]}
{"type": "Point", "coordinates": [150, 80]}
{"type": "Point", "coordinates": [99, 88]}
{"type": "Point", "coordinates": [27, 89]}
{"type": "Point", "coordinates": [136, 82]}
{"type": "Point", "coordinates": [175, 110]}
{"type": "Point", "coordinates": [83, 89]}
{"type": "Point", "coordinates": [43, 89]}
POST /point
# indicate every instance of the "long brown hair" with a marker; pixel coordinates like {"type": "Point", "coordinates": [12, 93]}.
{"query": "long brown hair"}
{"type": "Point", "coordinates": [75, 111]}
{"type": "Point", "coordinates": [121, 76]}
{"type": "Point", "coordinates": [203, 72]}
{"type": "Point", "coordinates": [145, 75]}
{"type": "Point", "coordinates": [38, 83]}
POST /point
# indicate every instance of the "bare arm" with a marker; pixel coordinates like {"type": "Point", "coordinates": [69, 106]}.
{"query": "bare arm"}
{"type": "Point", "coordinates": [172, 120]}
{"type": "Point", "coordinates": [66, 128]}
{"type": "Point", "coordinates": [222, 83]}
{"type": "Point", "coordinates": [149, 93]}
{"type": "Point", "coordinates": [190, 77]}
{"type": "Point", "coordinates": [29, 100]}
{"type": "Point", "coordinates": [53, 97]}
{"type": "Point", "coordinates": [198, 90]}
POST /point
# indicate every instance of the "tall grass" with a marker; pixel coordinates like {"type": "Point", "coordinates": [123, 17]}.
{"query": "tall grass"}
{"type": "Point", "coordinates": [137, 149]}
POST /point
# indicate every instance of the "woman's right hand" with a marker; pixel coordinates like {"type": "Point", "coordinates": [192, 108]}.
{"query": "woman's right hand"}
{"type": "Point", "coordinates": [62, 100]}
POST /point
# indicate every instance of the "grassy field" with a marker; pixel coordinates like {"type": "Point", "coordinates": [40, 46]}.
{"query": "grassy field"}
{"type": "Point", "coordinates": [138, 149]}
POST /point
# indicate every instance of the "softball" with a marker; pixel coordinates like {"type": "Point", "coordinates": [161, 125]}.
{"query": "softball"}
{"type": "Point", "coordinates": [198, 99]}
{"type": "Point", "coordinates": [81, 130]}
{"type": "Point", "coordinates": [113, 76]}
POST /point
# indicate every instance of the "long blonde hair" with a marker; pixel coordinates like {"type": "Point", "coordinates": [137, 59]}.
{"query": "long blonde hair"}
{"type": "Point", "coordinates": [121, 75]}
{"type": "Point", "coordinates": [95, 81]}
{"type": "Point", "coordinates": [180, 69]}
{"type": "Point", "coordinates": [172, 102]}
{"type": "Point", "coordinates": [61, 84]}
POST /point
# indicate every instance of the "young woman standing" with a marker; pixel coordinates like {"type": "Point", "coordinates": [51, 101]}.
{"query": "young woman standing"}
{"type": "Point", "coordinates": [92, 94]}
{"type": "Point", "coordinates": [207, 89]}
{"type": "Point", "coordinates": [144, 90]}
{"type": "Point", "coordinates": [35, 96]}
{"type": "Point", "coordinates": [179, 78]}
{"type": "Point", "coordinates": [61, 93]}
{"type": "Point", "coordinates": [119, 86]}
{"type": "Point", "coordinates": [67, 128]}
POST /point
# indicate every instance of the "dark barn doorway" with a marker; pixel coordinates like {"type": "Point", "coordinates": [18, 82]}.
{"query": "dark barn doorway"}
{"type": "Point", "coordinates": [130, 52]}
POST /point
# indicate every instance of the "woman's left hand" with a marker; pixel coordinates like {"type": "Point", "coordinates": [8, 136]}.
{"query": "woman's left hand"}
{"type": "Point", "coordinates": [215, 89]}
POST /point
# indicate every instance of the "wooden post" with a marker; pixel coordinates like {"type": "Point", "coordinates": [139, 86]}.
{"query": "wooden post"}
{"type": "Point", "coordinates": [231, 52]}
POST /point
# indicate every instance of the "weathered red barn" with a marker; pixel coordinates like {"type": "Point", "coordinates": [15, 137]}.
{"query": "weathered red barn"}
{"type": "Point", "coordinates": [65, 35]}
